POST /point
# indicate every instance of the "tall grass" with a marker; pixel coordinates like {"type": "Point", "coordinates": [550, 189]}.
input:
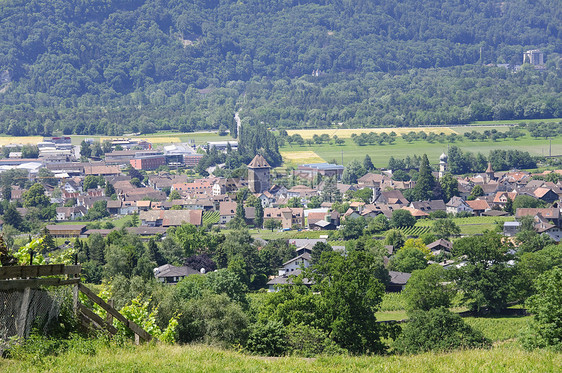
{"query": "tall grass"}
{"type": "Point", "coordinates": [196, 358]}
{"type": "Point", "coordinates": [499, 328]}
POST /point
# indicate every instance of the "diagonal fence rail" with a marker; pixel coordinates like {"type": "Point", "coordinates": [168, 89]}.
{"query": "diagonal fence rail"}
{"type": "Point", "coordinates": [35, 293]}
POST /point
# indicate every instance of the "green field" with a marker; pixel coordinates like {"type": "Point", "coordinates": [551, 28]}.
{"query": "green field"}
{"type": "Point", "coordinates": [471, 225]}
{"type": "Point", "coordinates": [118, 223]}
{"type": "Point", "coordinates": [499, 328]}
{"type": "Point", "coordinates": [266, 234]}
{"type": "Point", "coordinates": [400, 149]}
{"type": "Point", "coordinates": [198, 137]}
{"type": "Point", "coordinates": [504, 357]}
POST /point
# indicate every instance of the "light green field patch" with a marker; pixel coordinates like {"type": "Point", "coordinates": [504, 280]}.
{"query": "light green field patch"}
{"type": "Point", "coordinates": [400, 149]}
{"type": "Point", "coordinates": [301, 157]}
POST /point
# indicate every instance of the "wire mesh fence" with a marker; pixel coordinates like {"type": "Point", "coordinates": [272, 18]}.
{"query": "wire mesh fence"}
{"type": "Point", "coordinates": [22, 310]}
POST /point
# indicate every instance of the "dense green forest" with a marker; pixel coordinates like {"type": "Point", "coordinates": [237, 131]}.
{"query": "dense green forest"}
{"type": "Point", "coordinates": [102, 66]}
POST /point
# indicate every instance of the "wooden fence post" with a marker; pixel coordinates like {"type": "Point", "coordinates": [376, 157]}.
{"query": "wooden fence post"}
{"type": "Point", "coordinates": [109, 316]}
{"type": "Point", "coordinates": [21, 322]}
{"type": "Point", "coordinates": [75, 299]}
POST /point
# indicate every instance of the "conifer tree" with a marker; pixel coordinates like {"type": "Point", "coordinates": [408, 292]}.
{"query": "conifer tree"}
{"type": "Point", "coordinates": [425, 185]}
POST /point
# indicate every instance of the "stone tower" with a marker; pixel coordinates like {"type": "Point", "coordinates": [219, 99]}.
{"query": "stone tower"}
{"type": "Point", "coordinates": [443, 165]}
{"type": "Point", "coordinates": [490, 174]}
{"type": "Point", "coordinates": [258, 174]}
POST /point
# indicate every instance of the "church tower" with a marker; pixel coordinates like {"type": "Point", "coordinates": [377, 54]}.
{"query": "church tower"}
{"type": "Point", "coordinates": [442, 165]}
{"type": "Point", "coordinates": [258, 174]}
{"type": "Point", "coordinates": [490, 174]}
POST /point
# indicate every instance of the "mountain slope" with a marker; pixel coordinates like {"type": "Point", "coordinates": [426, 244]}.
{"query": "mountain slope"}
{"type": "Point", "coordinates": [79, 54]}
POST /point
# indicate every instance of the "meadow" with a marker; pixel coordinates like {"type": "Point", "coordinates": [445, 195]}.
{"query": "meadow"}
{"type": "Point", "coordinates": [503, 357]}
{"type": "Point", "coordinates": [472, 224]}
{"type": "Point", "coordinates": [300, 157]}
{"type": "Point", "coordinates": [380, 154]}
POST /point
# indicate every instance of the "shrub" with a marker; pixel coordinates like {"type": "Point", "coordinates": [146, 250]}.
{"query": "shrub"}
{"type": "Point", "coordinates": [268, 338]}
{"type": "Point", "coordinates": [36, 349]}
{"type": "Point", "coordinates": [439, 214]}
{"type": "Point", "coordinates": [213, 318]}
{"type": "Point", "coordinates": [305, 340]}
{"type": "Point", "coordinates": [463, 214]}
{"type": "Point", "coordinates": [440, 330]}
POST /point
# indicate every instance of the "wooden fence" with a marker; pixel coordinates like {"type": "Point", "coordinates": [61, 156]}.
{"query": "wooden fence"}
{"type": "Point", "coordinates": [33, 277]}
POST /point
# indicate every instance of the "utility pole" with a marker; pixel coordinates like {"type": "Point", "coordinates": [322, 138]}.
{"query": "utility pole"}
{"type": "Point", "coordinates": [342, 157]}
{"type": "Point", "coordinates": [549, 147]}
{"type": "Point", "coordinates": [481, 61]}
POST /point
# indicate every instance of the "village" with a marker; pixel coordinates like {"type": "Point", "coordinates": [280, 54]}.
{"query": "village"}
{"type": "Point", "coordinates": [158, 189]}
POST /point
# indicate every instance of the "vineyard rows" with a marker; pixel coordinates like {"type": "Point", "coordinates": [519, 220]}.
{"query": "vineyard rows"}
{"type": "Point", "coordinates": [415, 231]}
{"type": "Point", "coordinates": [211, 217]}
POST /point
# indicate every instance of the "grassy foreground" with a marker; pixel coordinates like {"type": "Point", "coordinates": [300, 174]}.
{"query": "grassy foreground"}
{"type": "Point", "coordinates": [506, 357]}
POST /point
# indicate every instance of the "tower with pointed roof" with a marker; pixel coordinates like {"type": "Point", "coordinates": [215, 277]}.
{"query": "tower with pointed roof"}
{"type": "Point", "coordinates": [442, 165]}
{"type": "Point", "coordinates": [258, 174]}
{"type": "Point", "coordinates": [490, 174]}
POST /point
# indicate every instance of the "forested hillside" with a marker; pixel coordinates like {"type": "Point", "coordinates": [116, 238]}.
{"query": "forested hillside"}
{"type": "Point", "coordinates": [102, 66]}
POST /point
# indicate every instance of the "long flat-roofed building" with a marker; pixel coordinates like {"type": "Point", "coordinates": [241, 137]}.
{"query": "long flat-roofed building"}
{"type": "Point", "coordinates": [311, 170]}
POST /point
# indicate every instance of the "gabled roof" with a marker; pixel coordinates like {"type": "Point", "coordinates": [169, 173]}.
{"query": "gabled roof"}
{"type": "Point", "coordinates": [286, 279]}
{"type": "Point", "coordinates": [456, 202]}
{"type": "Point", "coordinates": [549, 213]}
{"type": "Point", "coordinates": [440, 243]}
{"type": "Point", "coordinates": [320, 223]}
{"type": "Point", "coordinates": [393, 197]}
{"type": "Point", "coordinates": [433, 205]}
{"type": "Point", "coordinates": [541, 192]}
{"type": "Point", "coordinates": [534, 184]}
{"type": "Point", "coordinates": [499, 195]}
{"type": "Point", "coordinates": [371, 178]}
{"type": "Point", "coordinates": [228, 208]}
{"type": "Point", "coordinates": [173, 217]}
{"type": "Point", "coordinates": [113, 204]}
{"type": "Point", "coordinates": [168, 270]}
{"type": "Point", "coordinates": [314, 217]}
{"type": "Point", "coordinates": [305, 256]}
{"type": "Point", "coordinates": [478, 204]}
{"type": "Point", "coordinates": [399, 278]}
{"type": "Point", "coordinates": [415, 212]}
{"type": "Point", "coordinates": [259, 162]}
{"type": "Point", "coordinates": [306, 242]}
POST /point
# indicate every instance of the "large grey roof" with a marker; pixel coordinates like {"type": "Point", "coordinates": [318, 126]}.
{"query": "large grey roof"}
{"type": "Point", "coordinates": [168, 270]}
{"type": "Point", "coordinates": [399, 278]}
{"type": "Point", "coordinates": [323, 166]}
{"type": "Point", "coordinates": [286, 279]}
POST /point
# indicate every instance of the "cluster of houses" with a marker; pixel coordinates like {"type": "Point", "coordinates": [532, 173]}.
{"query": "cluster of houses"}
{"type": "Point", "coordinates": [197, 197]}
